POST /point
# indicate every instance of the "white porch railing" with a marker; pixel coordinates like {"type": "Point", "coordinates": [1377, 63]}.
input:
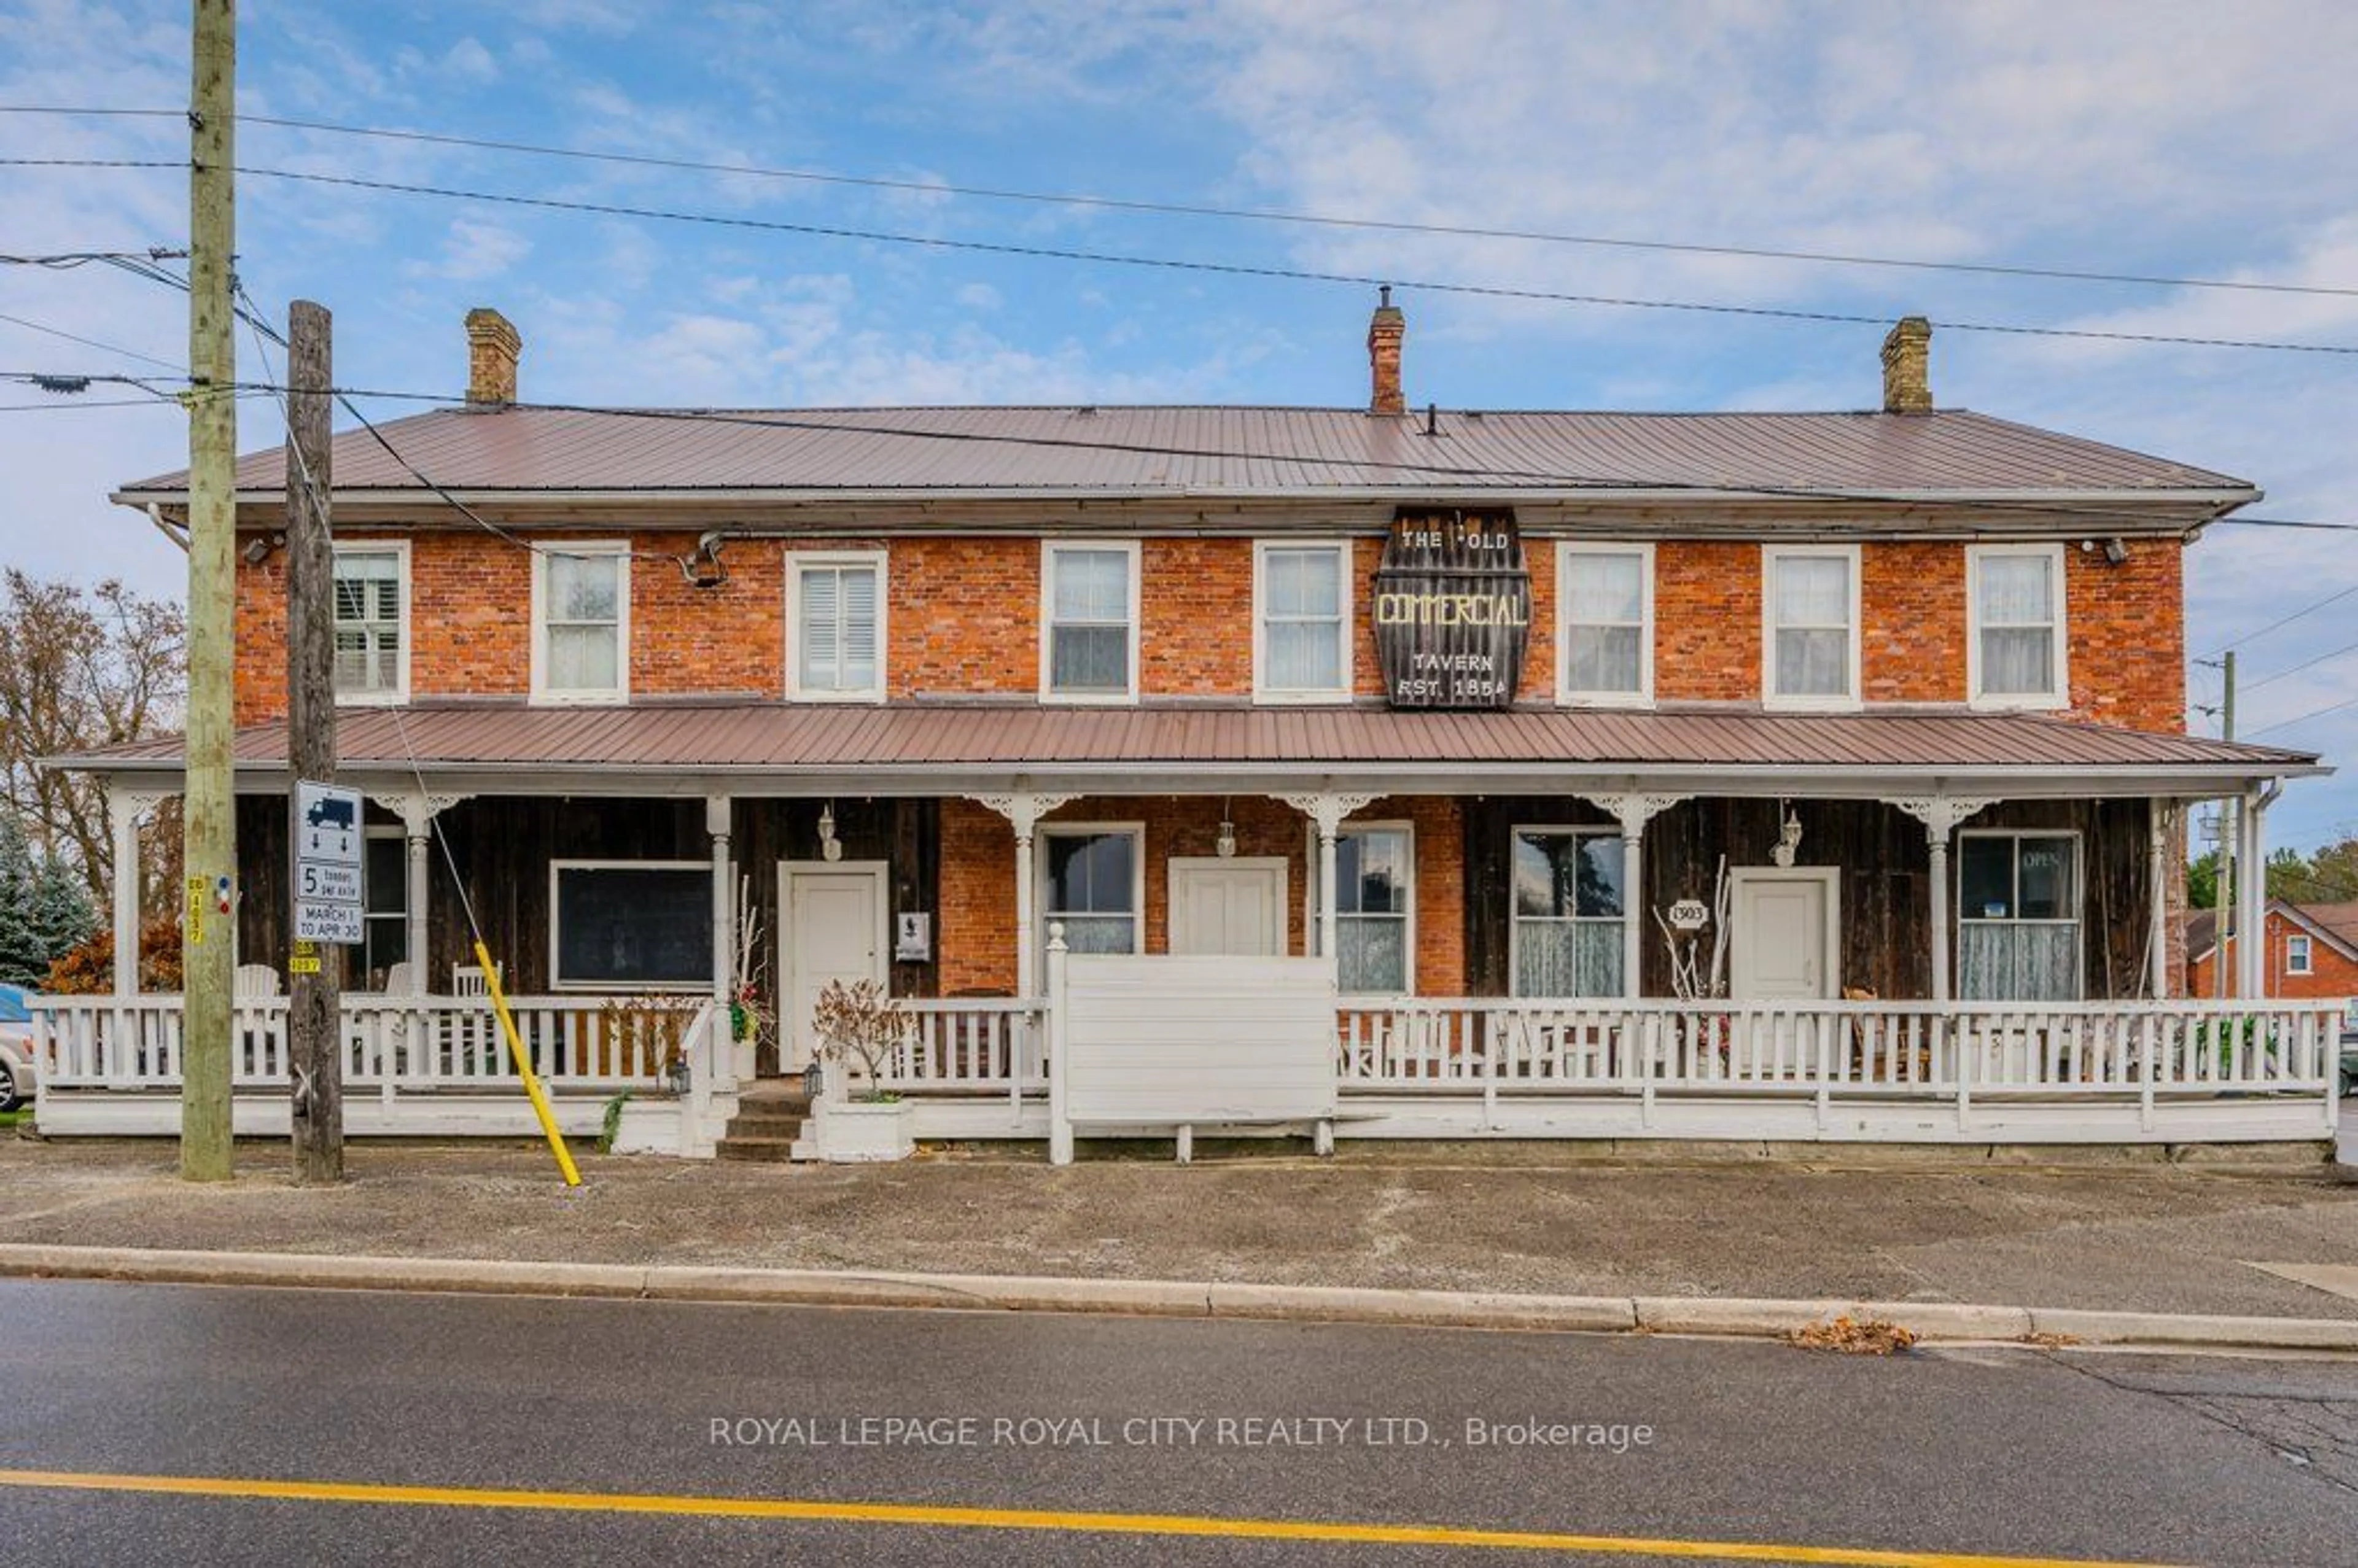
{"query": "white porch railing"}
{"type": "Point", "coordinates": [971, 1046]}
{"type": "Point", "coordinates": [1935, 1050]}
{"type": "Point", "coordinates": [598, 1044]}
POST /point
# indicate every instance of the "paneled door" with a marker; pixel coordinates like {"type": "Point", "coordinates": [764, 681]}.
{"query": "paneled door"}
{"type": "Point", "coordinates": [1784, 935]}
{"type": "Point", "coordinates": [1233, 907]}
{"type": "Point", "coordinates": [832, 927]}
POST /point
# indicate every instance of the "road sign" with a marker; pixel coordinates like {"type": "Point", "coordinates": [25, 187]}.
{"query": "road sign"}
{"type": "Point", "coordinates": [328, 847]}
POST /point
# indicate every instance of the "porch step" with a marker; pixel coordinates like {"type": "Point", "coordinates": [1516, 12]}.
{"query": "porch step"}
{"type": "Point", "coordinates": [768, 1123]}
{"type": "Point", "coordinates": [766, 1151]}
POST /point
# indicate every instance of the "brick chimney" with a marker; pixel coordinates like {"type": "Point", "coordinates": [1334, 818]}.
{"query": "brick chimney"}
{"type": "Point", "coordinates": [1908, 367]}
{"type": "Point", "coordinates": [1384, 335]}
{"type": "Point", "coordinates": [492, 348]}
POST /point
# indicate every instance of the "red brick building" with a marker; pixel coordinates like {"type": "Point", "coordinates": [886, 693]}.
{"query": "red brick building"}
{"type": "Point", "coordinates": [2312, 951]}
{"type": "Point", "coordinates": [1479, 707]}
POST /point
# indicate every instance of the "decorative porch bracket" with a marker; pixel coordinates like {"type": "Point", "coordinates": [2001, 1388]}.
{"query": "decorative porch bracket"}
{"type": "Point", "coordinates": [1941, 815]}
{"type": "Point", "coordinates": [1023, 813]}
{"type": "Point", "coordinates": [418, 812]}
{"type": "Point", "coordinates": [124, 807]}
{"type": "Point", "coordinates": [1327, 813]}
{"type": "Point", "coordinates": [1633, 812]}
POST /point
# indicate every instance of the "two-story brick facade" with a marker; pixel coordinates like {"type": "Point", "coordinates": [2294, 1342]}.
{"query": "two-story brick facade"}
{"type": "Point", "coordinates": [1762, 708]}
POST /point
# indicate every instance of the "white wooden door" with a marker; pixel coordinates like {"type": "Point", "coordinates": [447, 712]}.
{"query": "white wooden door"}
{"type": "Point", "coordinates": [1784, 935]}
{"type": "Point", "coordinates": [1232, 908]}
{"type": "Point", "coordinates": [833, 929]}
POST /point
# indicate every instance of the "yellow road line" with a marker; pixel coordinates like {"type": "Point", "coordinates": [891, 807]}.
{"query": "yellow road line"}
{"type": "Point", "coordinates": [811, 1511]}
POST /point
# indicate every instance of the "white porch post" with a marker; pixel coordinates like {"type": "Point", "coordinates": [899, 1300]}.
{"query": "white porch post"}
{"type": "Point", "coordinates": [1941, 815]}
{"type": "Point", "coordinates": [724, 925]}
{"type": "Point", "coordinates": [124, 808]}
{"type": "Point", "coordinates": [1327, 813]}
{"type": "Point", "coordinates": [417, 812]}
{"type": "Point", "coordinates": [2252, 895]}
{"type": "Point", "coordinates": [1023, 813]}
{"type": "Point", "coordinates": [1633, 812]}
{"type": "Point", "coordinates": [2157, 870]}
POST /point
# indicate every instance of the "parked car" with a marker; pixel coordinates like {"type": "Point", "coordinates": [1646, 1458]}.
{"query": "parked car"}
{"type": "Point", "coordinates": [2349, 1063]}
{"type": "Point", "coordinates": [16, 1048]}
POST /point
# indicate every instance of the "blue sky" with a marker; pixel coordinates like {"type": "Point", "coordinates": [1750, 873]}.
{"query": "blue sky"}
{"type": "Point", "coordinates": [2161, 139]}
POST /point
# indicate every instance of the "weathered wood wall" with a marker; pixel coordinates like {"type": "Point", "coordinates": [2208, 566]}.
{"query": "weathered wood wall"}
{"type": "Point", "coordinates": [1884, 863]}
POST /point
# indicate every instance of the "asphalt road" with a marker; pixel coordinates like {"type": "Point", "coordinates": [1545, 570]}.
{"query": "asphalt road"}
{"type": "Point", "coordinates": [2009, 1454]}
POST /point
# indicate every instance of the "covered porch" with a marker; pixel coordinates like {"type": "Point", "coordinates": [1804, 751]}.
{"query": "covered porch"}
{"type": "Point", "coordinates": [1938, 927]}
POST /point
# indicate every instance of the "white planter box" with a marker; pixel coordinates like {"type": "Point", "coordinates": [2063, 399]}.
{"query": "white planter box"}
{"type": "Point", "coordinates": [851, 1132]}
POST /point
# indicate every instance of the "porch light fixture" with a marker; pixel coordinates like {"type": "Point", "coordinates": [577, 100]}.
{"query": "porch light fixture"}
{"type": "Point", "coordinates": [1789, 838]}
{"type": "Point", "coordinates": [701, 567]}
{"type": "Point", "coordinates": [1225, 845]}
{"type": "Point", "coordinates": [830, 848]}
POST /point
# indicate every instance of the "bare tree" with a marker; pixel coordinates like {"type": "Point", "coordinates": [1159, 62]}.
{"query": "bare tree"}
{"type": "Point", "coordinates": [80, 668]}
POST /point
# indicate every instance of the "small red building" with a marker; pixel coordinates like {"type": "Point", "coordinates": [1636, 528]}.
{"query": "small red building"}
{"type": "Point", "coordinates": [2312, 951]}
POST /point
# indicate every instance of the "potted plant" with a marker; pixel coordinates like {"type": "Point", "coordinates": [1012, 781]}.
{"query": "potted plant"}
{"type": "Point", "coordinates": [858, 1028]}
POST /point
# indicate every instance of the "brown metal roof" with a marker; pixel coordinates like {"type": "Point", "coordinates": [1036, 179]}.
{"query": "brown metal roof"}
{"type": "Point", "coordinates": [786, 740]}
{"type": "Point", "coordinates": [1231, 451]}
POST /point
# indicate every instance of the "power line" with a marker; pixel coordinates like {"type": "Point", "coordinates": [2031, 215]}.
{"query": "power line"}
{"type": "Point", "coordinates": [1241, 269]}
{"type": "Point", "coordinates": [2309, 663]}
{"type": "Point", "coordinates": [1245, 214]}
{"type": "Point", "coordinates": [68, 260]}
{"type": "Point", "coordinates": [2303, 718]}
{"type": "Point", "coordinates": [2282, 621]}
{"type": "Point", "coordinates": [1227, 269]}
{"type": "Point", "coordinates": [87, 342]}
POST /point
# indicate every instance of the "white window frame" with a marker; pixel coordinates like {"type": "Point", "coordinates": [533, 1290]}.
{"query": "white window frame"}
{"type": "Point", "coordinates": [558, 982]}
{"type": "Point", "coordinates": [2079, 921]}
{"type": "Point", "coordinates": [2062, 696]}
{"type": "Point", "coordinates": [1262, 690]}
{"type": "Point", "coordinates": [1312, 928]}
{"type": "Point", "coordinates": [798, 563]}
{"type": "Point", "coordinates": [375, 832]}
{"type": "Point", "coordinates": [1566, 552]}
{"type": "Point", "coordinates": [542, 553]}
{"type": "Point", "coordinates": [399, 550]}
{"type": "Point", "coordinates": [1515, 917]}
{"type": "Point", "coordinates": [1771, 554]}
{"type": "Point", "coordinates": [1048, 550]}
{"type": "Point", "coordinates": [2300, 960]}
{"type": "Point", "coordinates": [1041, 882]}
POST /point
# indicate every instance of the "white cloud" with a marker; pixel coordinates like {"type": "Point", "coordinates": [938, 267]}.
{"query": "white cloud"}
{"type": "Point", "coordinates": [474, 251]}
{"type": "Point", "coordinates": [978, 297]}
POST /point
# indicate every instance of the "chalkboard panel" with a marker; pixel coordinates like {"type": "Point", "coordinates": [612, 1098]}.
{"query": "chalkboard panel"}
{"type": "Point", "coordinates": [648, 924]}
{"type": "Point", "coordinates": [1452, 609]}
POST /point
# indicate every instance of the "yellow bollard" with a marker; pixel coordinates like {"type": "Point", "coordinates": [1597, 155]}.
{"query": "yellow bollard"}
{"type": "Point", "coordinates": [523, 1067]}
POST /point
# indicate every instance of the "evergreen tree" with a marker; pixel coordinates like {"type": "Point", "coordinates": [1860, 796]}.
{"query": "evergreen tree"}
{"type": "Point", "coordinates": [63, 915]}
{"type": "Point", "coordinates": [24, 950]}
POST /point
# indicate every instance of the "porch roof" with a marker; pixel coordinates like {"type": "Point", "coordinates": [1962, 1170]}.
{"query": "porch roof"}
{"type": "Point", "coordinates": [783, 748]}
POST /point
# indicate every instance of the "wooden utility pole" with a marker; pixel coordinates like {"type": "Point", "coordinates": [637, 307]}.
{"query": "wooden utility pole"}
{"type": "Point", "coordinates": [2223, 896]}
{"type": "Point", "coordinates": [210, 846]}
{"type": "Point", "coordinates": [315, 999]}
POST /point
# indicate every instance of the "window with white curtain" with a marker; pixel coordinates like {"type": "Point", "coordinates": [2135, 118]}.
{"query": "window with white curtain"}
{"type": "Point", "coordinates": [1303, 637]}
{"type": "Point", "coordinates": [2018, 917]}
{"type": "Point", "coordinates": [1090, 885]}
{"type": "Point", "coordinates": [582, 614]}
{"type": "Point", "coordinates": [1569, 908]}
{"type": "Point", "coordinates": [839, 619]}
{"type": "Point", "coordinates": [1605, 598]}
{"type": "Point", "coordinates": [1091, 636]}
{"type": "Point", "coordinates": [2017, 646]}
{"type": "Point", "coordinates": [2297, 955]}
{"type": "Point", "coordinates": [1375, 894]}
{"type": "Point", "coordinates": [1812, 614]}
{"type": "Point", "coordinates": [372, 644]}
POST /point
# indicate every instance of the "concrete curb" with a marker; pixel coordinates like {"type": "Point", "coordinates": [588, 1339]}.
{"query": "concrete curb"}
{"type": "Point", "coordinates": [1949, 1321]}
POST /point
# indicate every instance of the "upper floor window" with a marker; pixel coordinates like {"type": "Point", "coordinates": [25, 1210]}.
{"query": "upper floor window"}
{"type": "Point", "coordinates": [2297, 955]}
{"type": "Point", "coordinates": [2016, 650]}
{"type": "Point", "coordinates": [372, 624]}
{"type": "Point", "coordinates": [581, 622]}
{"type": "Point", "coordinates": [1811, 614]}
{"type": "Point", "coordinates": [1301, 642]}
{"type": "Point", "coordinates": [1604, 640]}
{"type": "Point", "coordinates": [836, 608]}
{"type": "Point", "coordinates": [1090, 625]}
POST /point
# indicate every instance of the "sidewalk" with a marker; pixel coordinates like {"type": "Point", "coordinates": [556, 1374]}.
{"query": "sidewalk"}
{"type": "Point", "coordinates": [2136, 1238]}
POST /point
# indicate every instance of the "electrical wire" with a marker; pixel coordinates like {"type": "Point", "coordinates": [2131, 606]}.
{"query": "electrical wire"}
{"type": "Point", "coordinates": [1245, 214]}
{"type": "Point", "coordinates": [2303, 718]}
{"type": "Point", "coordinates": [2249, 687]}
{"type": "Point", "coordinates": [1242, 269]}
{"type": "Point", "coordinates": [87, 342]}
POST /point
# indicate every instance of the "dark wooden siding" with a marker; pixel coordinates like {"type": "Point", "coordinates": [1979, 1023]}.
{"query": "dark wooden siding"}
{"type": "Point", "coordinates": [1884, 864]}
